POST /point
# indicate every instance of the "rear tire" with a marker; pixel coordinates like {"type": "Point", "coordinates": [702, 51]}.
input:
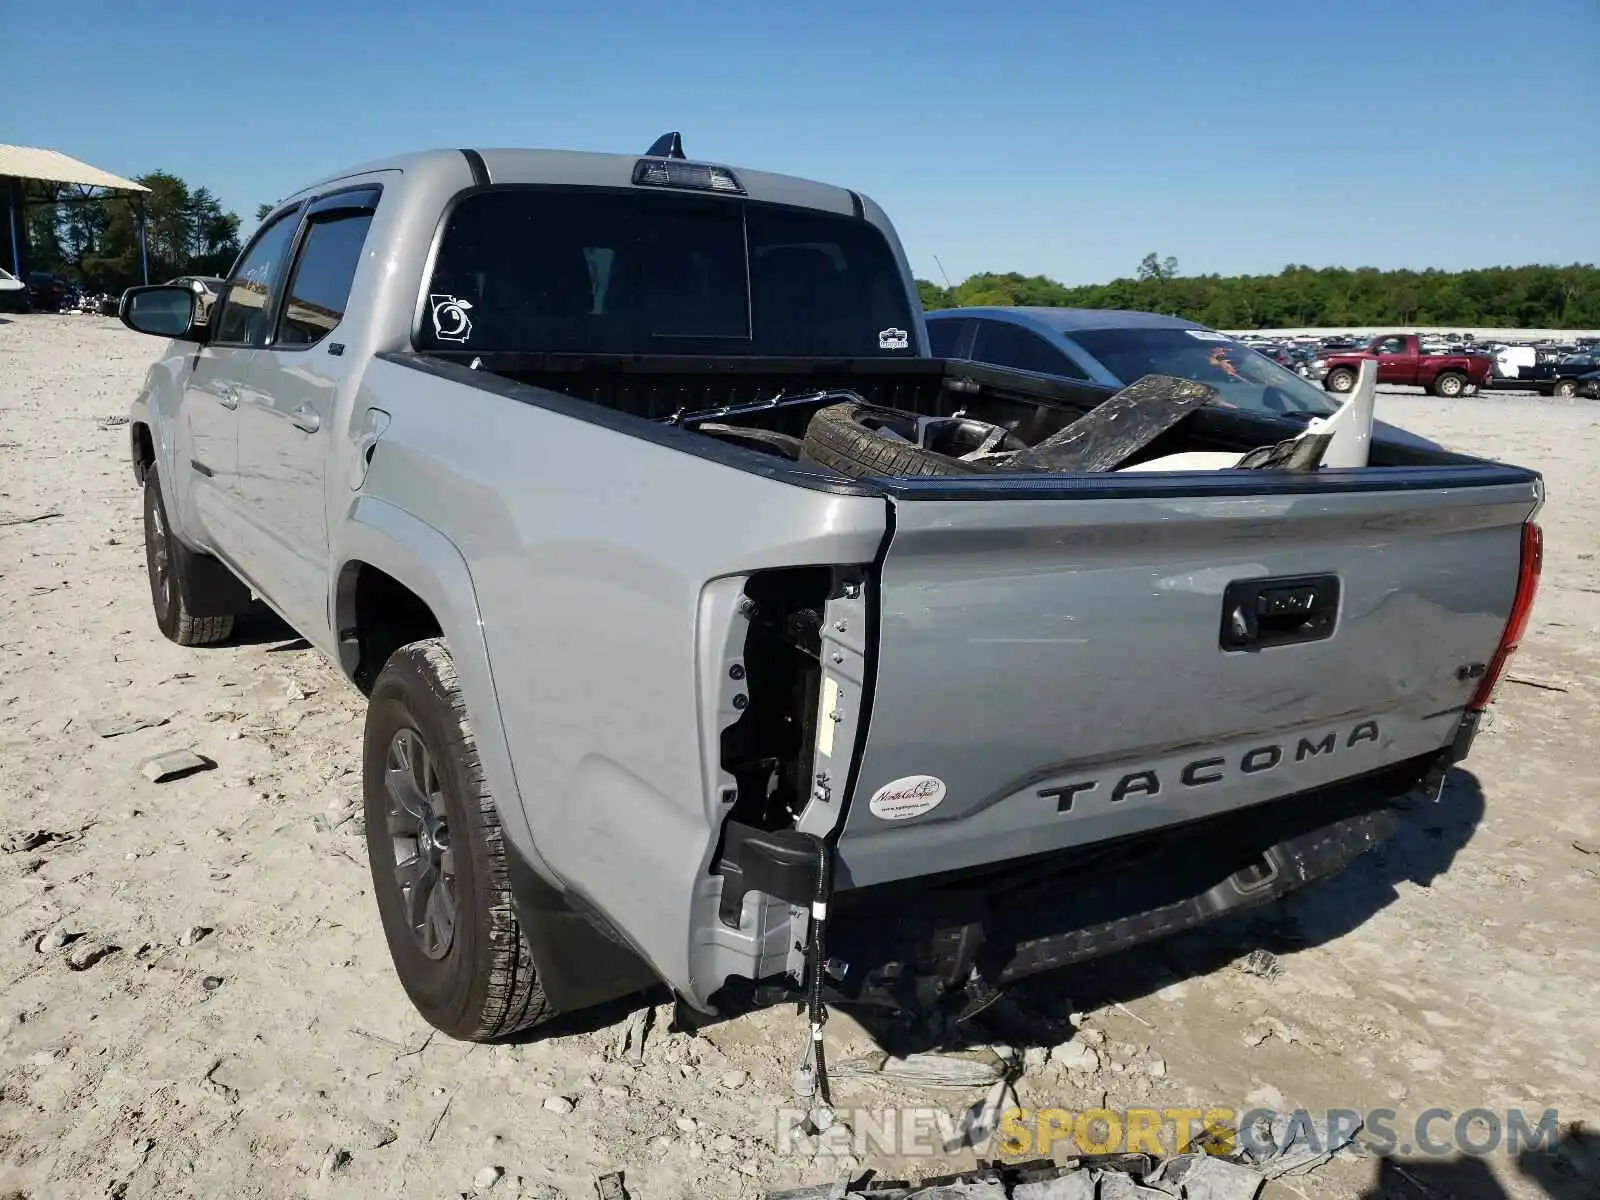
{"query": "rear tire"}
{"type": "Point", "coordinates": [1449, 385]}
{"type": "Point", "coordinates": [1340, 379]}
{"type": "Point", "coordinates": [452, 930]}
{"type": "Point", "coordinates": [1565, 388]}
{"type": "Point", "coordinates": [164, 564]}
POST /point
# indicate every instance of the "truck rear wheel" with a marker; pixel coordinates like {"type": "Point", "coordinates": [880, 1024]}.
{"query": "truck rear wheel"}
{"type": "Point", "coordinates": [1565, 388]}
{"type": "Point", "coordinates": [1340, 379]}
{"type": "Point", "coordinates": [164, 562]}
{"type": "Point", "coordinates": [438, 855]}
{"type": "Point", "coordinates": [1449, 385]}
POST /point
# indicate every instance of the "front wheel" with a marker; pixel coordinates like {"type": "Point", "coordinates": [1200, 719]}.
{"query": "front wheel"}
{"type": "Point", "coordinates": [438, 855]}
{"type": "Point", "coordinates": [1340, 379]}
{"type": "Point", "coordinates": [164, 561]}
{"type": "Point", "coordinates": [1566, 388]}
{"type": "Point", "coordinates": [1449, 385]}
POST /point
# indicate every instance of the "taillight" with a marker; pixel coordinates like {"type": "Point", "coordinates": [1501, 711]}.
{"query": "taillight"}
{"type": "Point", "coordinates": [1521, 609]}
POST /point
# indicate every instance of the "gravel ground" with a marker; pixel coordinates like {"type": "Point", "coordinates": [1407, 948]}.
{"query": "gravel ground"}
{"type": "Point", "coordinates": [196, 1000]}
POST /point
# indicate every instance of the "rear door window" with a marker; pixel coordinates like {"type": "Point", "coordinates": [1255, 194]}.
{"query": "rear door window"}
{"type": "Point", "coordinates": [320, 288]}
{"type": "Point", "coordinates": [569, 271]}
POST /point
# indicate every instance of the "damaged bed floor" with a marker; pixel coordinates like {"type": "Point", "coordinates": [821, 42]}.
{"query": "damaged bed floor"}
{"type": "Point", "coordinates": [195, 997]}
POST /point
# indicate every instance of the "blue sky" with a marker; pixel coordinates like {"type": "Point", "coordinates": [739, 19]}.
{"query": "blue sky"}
{"type": "Point", "coordinates": [1042, 136]}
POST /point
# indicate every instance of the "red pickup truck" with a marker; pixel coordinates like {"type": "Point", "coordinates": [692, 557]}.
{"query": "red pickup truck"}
{"type": "Point", "coordinates": [1400, 360]}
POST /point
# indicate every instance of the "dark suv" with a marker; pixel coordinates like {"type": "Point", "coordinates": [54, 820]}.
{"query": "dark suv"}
{"type": "Point", "coordinates": [47, 292]}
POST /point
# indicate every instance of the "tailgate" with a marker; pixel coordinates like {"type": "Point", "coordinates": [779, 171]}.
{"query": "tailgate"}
{"type": "Point", "coordinates": [1055, 668]}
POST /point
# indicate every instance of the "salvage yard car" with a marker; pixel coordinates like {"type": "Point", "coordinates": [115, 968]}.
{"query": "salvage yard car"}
{"type": "Point", "coordinates": [1402, 361]}
{"type": "Point", "coordinates": [13, 293]}
{"type": "Point", "coordinates": [715, 633]}
{"type": "Point", "coordinates": [1112, 347]}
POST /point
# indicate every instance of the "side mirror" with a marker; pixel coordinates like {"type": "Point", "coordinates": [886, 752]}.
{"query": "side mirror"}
{"type": "Point", "coordinates": [162, 310]}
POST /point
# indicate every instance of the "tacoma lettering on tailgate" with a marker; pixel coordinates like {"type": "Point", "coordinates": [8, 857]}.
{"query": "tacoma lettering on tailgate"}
{"type": "Point", "coordinates": [1203, 772]}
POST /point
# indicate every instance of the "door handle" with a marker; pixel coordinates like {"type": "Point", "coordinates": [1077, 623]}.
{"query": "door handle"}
{"type": "Point", "coordinates": [307, 418]}
{"type": "Point", "coordinates": [1257, 613]}
{"type": "Point", "coordinates": [230, 396]}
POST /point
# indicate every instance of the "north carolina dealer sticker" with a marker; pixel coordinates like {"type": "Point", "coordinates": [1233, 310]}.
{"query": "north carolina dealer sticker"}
{"type": "Point", "coordinates": [906, 798]}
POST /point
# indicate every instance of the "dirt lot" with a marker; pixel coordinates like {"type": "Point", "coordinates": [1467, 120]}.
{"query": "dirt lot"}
{"type": "Point", "coordinates": [275, 1055]}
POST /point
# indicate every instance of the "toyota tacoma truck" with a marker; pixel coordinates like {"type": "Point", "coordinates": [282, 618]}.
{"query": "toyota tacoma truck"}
{"type": "Point", "coordinates": [714, 633]}
{"type": "Point", "coordinates": [1401, 361]}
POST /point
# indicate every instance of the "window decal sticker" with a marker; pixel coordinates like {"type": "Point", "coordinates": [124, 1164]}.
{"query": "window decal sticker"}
{"type": "Point", "coordinates": [450, 320]}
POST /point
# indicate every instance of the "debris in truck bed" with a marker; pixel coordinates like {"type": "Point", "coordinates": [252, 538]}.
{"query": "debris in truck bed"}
{"type": "Point", "coordinates": [1109, 435]}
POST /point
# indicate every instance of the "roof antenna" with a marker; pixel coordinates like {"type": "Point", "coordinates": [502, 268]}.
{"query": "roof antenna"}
{"type": "Point", "coordinates": [668, 145]}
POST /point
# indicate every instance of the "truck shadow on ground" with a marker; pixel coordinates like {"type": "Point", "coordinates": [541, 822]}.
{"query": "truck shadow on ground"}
{"type": "Point", "coordinates": [258, 625]}
{"type": "Point", "coordinates": [1034, 1012]}
{"type": "Point", "coordinates": [1567, 1170]}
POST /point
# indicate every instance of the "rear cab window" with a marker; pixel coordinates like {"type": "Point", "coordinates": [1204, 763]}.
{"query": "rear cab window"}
{"type": "Point", "coordinates": [1245, 378]}
{"type": "Point", "coordinates": [567, 270]}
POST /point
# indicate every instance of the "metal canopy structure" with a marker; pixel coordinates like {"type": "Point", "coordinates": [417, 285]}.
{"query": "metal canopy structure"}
{"type": "Point", "coordinates": [26, 164]}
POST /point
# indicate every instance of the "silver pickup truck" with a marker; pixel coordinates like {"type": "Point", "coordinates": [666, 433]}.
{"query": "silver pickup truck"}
{"type": "Point", "coordinates": [702, 613]}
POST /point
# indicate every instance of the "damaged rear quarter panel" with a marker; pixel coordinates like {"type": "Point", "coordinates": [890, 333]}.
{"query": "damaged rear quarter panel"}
{"type": "Point", "coordinates": [593, 555]}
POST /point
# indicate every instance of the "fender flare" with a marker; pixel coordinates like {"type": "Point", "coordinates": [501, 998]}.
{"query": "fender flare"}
{"type": "Point", "coordinates": [580, 962]}
{"type": "Point", "coordinates": [383, 535]}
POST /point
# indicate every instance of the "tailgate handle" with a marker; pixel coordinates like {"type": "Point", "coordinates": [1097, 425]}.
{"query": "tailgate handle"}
{"type": "Point", "coordinates": [1279, 612]}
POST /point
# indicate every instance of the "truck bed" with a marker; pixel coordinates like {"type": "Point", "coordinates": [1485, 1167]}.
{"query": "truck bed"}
{"type": "Point", "coordinates": [655, 390]}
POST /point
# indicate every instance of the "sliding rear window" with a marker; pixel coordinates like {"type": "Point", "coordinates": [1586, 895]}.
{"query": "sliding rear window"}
{"type": "Point", "coordinates": [584, 272]}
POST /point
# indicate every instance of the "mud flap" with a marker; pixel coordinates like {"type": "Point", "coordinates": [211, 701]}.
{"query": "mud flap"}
{"type": "Point", "coordinates": [208, 587]}
{"type": "Point", "coordinates": [579, 962]}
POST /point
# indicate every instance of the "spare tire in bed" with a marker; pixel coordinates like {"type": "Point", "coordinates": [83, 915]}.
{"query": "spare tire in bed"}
{"type": "Point", "coordinates": [861, 440]}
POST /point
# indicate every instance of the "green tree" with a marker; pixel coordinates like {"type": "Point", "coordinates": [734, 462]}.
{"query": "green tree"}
{"type": "Point", "coordinates": [1535, 296]}
{"type": "Point", "coordinates": [95, 239]}
{"type": "Point", "coordinates": [1155, 267]}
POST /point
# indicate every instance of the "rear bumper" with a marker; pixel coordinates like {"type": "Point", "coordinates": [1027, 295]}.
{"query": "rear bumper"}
{"type": "Point", "coordinates": [1033, 915]}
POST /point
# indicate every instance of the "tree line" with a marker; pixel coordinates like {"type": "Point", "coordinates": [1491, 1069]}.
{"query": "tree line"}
{"type": "Point", "coordinates": [1532, 297]}
{"type": "Point", "coordinates": [95, 240]}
